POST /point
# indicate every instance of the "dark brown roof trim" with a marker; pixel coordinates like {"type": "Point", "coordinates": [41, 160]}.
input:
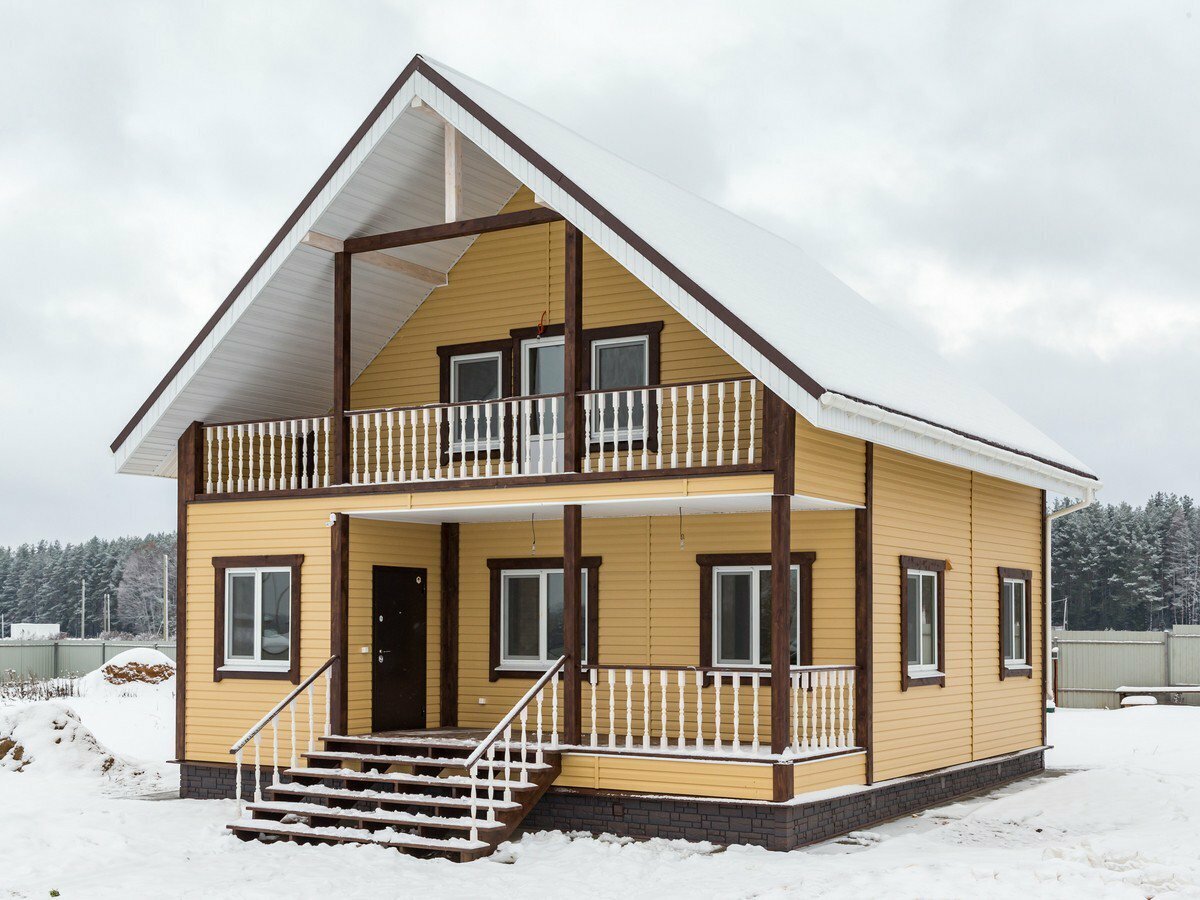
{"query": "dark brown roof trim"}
{"type": "Point", "coordinates": [627, 234]}
{"type": "Point", "coordinates": [358, 135]}
{"type": "Point", "coordinates": [973, 437]}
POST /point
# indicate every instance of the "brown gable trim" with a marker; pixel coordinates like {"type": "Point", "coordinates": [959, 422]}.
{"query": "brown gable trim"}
{"type": "Point", "coordinates": [220, 564]}
{"type": "Point", "coordinates": [1026, 575]}
{"type": "Point", "coordinates": [928, 565]}
{"type": "Point", "coordinates": [969, 436]}
{"type": "Point", "coordinates": [497, 565]}
{"type": "Point", "coordinates": [272, 245]}
{"type": "Point", "coordinates": [803, 559]}
{"type": "Point", "coordinates": [627, 234]}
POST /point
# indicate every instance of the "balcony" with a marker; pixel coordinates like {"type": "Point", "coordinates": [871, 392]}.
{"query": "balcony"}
{"type": "Point", "coordinates": [711, 427]}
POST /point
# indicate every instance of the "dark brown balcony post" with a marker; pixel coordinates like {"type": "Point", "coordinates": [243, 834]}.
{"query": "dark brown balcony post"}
{"type": "Point", "coordinates": [341, 367]}
{"type": "Point", "coordinates": [573, 624]}
{"type": "Point", "coordinates": [573, 350]}
{"type": "Point", "coordinates": [779, 429]}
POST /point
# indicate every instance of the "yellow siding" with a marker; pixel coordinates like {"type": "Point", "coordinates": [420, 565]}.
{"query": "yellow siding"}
{"type": "Point", "coordinates": [1007, 532]}
{"type": "Point", "coordinates": [828, 465]}
{"type": "Point", "coordinates": [508, 280]}
{"type": "Point", "coordinates": [922, 508]}
{"type": "Point", "coordinates": [836, 771]}
{"type": "Point", "coordinates": [689, 778]}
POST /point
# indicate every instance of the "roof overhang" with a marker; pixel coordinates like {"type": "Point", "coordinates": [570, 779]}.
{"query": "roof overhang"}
{"type": "Point", "coordinates": [274, 331]}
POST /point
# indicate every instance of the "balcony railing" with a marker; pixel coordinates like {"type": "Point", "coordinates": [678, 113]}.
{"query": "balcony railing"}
{"type": "Point", "coordinates": [702, 425]}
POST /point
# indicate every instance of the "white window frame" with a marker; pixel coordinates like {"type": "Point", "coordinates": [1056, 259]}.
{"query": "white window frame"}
{"type": "Point", "coordinates": [526, 391]}
{"type": "Point", "coordinates": [1011, 607]}
{"type": "Point", "coordinates": [597, 345]}
{"type": "Point", "coordinates": [755, 615]}
{"type": "Point", "coordinates": [457, 445]}
{"type": "Point", "coordinates": [543, 661]}
{"type": "Point", "coordinates": [931, 668]}
{"type": "Point", "coordinates": [255, 663]}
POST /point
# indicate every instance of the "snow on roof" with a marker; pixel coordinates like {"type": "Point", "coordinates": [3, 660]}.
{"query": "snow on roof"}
{"type": "Point", "coordinates": [844, 343]}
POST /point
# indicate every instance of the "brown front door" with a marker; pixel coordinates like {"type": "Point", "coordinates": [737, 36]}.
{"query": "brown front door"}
{"type": "Point", "coordinates": [398, 644]}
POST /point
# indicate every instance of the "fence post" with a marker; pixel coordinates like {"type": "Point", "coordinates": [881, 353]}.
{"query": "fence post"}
{"type": "Point", "coordinates": [1167, 682]}
{"type": "Point", "coordinates": [54, 658]}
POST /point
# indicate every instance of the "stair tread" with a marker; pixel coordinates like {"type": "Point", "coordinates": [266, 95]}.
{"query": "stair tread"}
{"type": "Point", "coordinates": [444, 762]}
{"type": "Point", "coordinates": [318, 790]}
{"type": "Point", "coordinates": [405, 778]}
{"type": "Point", "coordinates": [395, 818]}
{"type": "Point", "coordinates": [446, 743]}
{"type": "Point", "coordinates": [387, 838]}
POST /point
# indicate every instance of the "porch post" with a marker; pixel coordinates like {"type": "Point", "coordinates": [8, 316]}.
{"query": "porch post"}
{"type": "Point", "coordinates": [339, 608]}
{"type": "Point", "coordinates": [448, 704]}
{"type": "Point", "coordinates": [189, 483]}
{"type": "Point", "coordinates": [573, 351]}
{"type": "Point", "coordinates": [572, 623]}
{"type": "Point", "coordinates": [864, 615]}
{"type": "Point", "coordinates": [341, 368]}
{"type": "Point", "coordinates": [779, 423]}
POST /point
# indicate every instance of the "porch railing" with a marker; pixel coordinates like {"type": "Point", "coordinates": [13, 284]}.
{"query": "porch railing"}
{"type": "Point", "coordinates": [272, 719]}
{"type": "Point", "coordinates": [515, 754]}
{"type": "Point", "coordinates": [709, 710]}
{"type": "Point", "coordinates": [655, 428]}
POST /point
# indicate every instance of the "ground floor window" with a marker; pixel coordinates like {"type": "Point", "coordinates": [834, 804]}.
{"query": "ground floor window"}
{"type": "Point", "coordinates": [527, 613]}
{"type": "Point", "coordinates": [258, 612]}
{"type": "Point", "coordinates": [922, 620]}
{"type": "Point", "coordinates": [735, 609]}
{"type": "Point", "coordinates": [1016, 645]}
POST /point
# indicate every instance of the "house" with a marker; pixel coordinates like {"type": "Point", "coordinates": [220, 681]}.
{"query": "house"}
{"type": "Point", "coordinates": [492, 470]}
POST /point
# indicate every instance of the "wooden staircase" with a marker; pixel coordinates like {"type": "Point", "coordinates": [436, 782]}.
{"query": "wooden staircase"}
{"type": "Point", "coordinates": [410, 793]}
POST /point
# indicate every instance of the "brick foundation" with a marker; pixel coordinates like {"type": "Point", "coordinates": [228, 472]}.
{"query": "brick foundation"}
{"type": "Point", "coordinates": [213, 781]}
{"type": "Point", "coordinates": [776, 826]}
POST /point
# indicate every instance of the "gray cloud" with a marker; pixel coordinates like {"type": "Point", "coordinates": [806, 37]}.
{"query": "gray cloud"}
{"type": "Point", "coordinates": [1016, 180]}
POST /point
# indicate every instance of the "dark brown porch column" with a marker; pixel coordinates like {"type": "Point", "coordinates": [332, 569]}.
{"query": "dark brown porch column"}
{"type": "Point", "coordinates": [449, 668]}
{"type": "Point", "coordinates": [573, 351]}
{"type": "Point", "coordinates": [339, 609]}
{"type": "Point", "coordinates": [341, 368]}
{"type": "Point", "coordinates": [572, 623]}
{"type": "Point", "coordinates": [781, 620]}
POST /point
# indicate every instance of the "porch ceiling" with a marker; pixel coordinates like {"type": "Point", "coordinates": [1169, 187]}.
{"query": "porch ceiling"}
{"type": "Point", "coordinates": [596, 509]}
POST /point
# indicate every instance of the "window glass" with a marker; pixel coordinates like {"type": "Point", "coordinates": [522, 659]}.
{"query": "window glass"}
{"type": "Point", "coordinates": [523, 616]}
{"type": "Point", "coordinates": [913, 638]}
{"type": "Point", "coordinates": [276, 615]}
{"type": "Point", "coordinates": [929, 619]}
{"type": "Point", "coordinates": [764, 616]}
{"type": "Point", "coordinates": [1018, 617]}
{"type": "Point", "coordinates": [543, 374]}
{"type": "Point", "coordinates": [734, 611]}
{"type": "Point", "coordinates": [554, 615]}
{"type": "Point", "coordinates": [241, 616]}
{"type": "Point", "coordinates": [620, 364]}
{"type": "Point", "coordinates": [475, 378]}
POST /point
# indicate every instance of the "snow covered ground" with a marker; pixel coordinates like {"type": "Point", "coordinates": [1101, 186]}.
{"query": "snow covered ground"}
{"type": "Point", "coordinates": [1118, 815]}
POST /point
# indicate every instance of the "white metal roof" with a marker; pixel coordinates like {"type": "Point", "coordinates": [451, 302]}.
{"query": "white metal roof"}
{"type": "Point", "coordinates": [840, 361]}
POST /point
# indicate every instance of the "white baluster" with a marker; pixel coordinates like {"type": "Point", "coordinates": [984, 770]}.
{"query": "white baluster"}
{"type": "Point", "coordinates": [612, 708]}
{"type": "Point", "coordinates": [272, 481]}
{"type": "Point", "coordinates": [366, 468]}
{"type": "Point", "coordinates": [721, 424]}
{"type": "Point", "coordinates": [851, 731]}
{"type": "Point", "coordinates": [229, 443]}
{"type": "Point", "coordinates": [629, 431]}
{"type": "Point", "coordinates": [354, 449]}
{"type": "Point", "coordinates": [554, 706]}
{"type": "Point", "coordinates": [805, 732]}
{"type": "Point", "coordinates": [822, 716]}
{"type": "Point", "coordinates": [474, 802]}
{"type": "Point", "coordinates": [275, 751]}
{"type": "Point", "coordinates": [328, 702]}
{"type": "Point", "coordinates": [524, 739]}
{"type": "Point", "coordinates": [527, 429]}
{"type": "Point", "coordinates": [302, 427]}
{"type": "Point", "coordinates": [592, 682]}
{"type": "Point", "coordinates": [794, 679]}
{"type": "Point", "coordinates": [737, 419]}
{"type": "Point", "coordinates": [412, 421]}
{"type": "Point", "coordinates": [502, 441]}
{"type": "Point", "coordinates": [603, 401]}
{"type": "Point", "coordinates": [699, 709]}
{"type": "Point", "coordinates": [325, 423]}
{"type": "Point", "coordinates": [242, 483]}
{"type": "Point", "coordinates": [754, 682]}
{"type": "Point", "coordinates": [507, 761]}
{"type": "Point", "coordinates": [628, 708]}
{"type": "Point", "coordinates": [402, 423]}
{"type": "Point", "coordinates": [690, 392]}
{"type": "Point", "coordinates": [261, 428]}
{"type": "Point", "coordinates": [716, 676]}
{"type": "Point", "coordinates": [208, 460]}
{"type": "Point", "coordinates": [674, 427]}
{"type": "Point", "coordinates": [658, 427]}
{"type": "Point", "coordinates": [292, 744]}
{"type": "Point", "coordinates": [476, 419]}
{"type": "Point", "coordinates": [487, 442]}
{"type": "Point", "coordinates": [589, 405]}
{"type": "Point", "coordinates": [389, 420]}
{"type": "Point", "coordinates": [682, 739]}
{"type": "Point", "coordinates": [437, 437]}
{"type": "Point", "coordinates": [237, 780]}
{"type": "Point", "coordinates": [539, 726]}
{"type": "Point", "coordinates": [736, 680]}
{"type": "Point", "coordinates": [645, 429]}
{"type": "Point", "coordinates": [662, 708]}
{"type": "Point", "coordinates": [462, 441]}
{"type": "Point", "coordinates": [514, 462]}
{"type": "Point", "coordinates": [312, 730]}
{"type": "Point", "coordinates": [378, 448]}
{"type": "Point", "coordinates": [491, 754]}
{"type": "Point", "coordinates": [645, 707]}
{"type": "Point", "coordinates": [258, 767]}
{"type": "Point", "coordinates": [704, 425]}
{"type": "Point", "coordinates": [554, 435]}
{"type": "Point", "coordinates": [425, 443]}
{"type": "Point", "coordinates": [753, 420]}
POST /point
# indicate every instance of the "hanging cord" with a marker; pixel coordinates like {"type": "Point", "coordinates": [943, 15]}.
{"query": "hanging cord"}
{"type": "Point", "coordinates": [533, 535]}
{"type": "Point", "coordinates": [681, 528]}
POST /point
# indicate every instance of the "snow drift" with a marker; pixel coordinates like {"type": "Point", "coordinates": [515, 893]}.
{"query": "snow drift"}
{"type": "Point", "coordinates": [129, 674]}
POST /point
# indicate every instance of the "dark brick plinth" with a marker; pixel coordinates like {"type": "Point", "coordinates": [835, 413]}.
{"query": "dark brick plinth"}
{"type": "Point", "coordinates": [776, 826]}
{"type": "Point", "coordinates": [212, 781]}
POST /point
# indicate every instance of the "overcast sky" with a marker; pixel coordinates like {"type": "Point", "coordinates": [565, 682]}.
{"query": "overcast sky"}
{"type": "Point", "coordinates": [1021, 181]}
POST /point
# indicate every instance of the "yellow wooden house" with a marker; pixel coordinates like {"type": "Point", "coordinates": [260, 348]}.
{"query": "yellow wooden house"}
{"type": "Point", "coordinates": [493, 470]}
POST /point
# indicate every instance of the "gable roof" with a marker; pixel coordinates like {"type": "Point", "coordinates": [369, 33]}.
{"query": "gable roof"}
{"type": "Point", "coordinates": [837, 359]}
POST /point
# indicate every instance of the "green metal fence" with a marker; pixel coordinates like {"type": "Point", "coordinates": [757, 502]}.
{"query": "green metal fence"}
{"type": "Point", "coordinates": [52, 659]}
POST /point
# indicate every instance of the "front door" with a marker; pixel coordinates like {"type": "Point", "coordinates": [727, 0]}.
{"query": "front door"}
{"type": "Point", "coordinates": [398, 643]}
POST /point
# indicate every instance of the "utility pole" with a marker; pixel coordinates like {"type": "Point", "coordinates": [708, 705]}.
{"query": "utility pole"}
{"type": "Point", "coordinates": [82, 606]}
{"type": "Point", "coordinates": [166, 620]}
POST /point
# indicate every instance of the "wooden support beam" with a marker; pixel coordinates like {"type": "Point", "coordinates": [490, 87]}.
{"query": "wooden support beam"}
{"type": "Point", "coordinates": [377, 258]}
{"type": "Point", "coordinates": [864, 613]}
{"type": "Point", "coordinates": [462, 228]}
{"type": "Point", "coordinates": [339, 610]}
{"type": "Point", "coordinates": [449, 626]}
{"type": "Point", "coordinates": [189, 482]}
{"type": "Point", "coordinates": [341, 368]}
{"type": "Point", "coordinates": [423, 109]}
{"type": "Point", "coordinates": [572, 623]}
{"type": "Point", "coordinates": [573, 351]}
{"type": "Point", "coordinates": [453, 154]}
{"type": "Point", "coordinates": [781, 621]}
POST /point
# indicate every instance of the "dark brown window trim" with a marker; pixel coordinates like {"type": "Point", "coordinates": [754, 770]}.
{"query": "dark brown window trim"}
{"type": "Point", "coordinates": [447, 352]}
{"type": "Point", "coordinates": [708, 561]}
{"type": "Point", "coordinates": [928, 565]}
{"type": "Point", "coordinates": [220, 565]}
{"type": "Point", "coordinates": [498, 565]}
{"type": "Point", "coordinates": [1025, 575]}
